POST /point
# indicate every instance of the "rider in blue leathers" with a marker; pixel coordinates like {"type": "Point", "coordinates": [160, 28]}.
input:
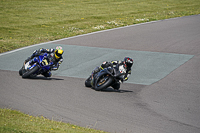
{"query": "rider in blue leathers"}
{"type": "Point", "coordinates": [55, 57]}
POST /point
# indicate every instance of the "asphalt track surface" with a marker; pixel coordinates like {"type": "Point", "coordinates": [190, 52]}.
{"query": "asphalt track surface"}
{"type": "Point", "coordinates": [161, 96]}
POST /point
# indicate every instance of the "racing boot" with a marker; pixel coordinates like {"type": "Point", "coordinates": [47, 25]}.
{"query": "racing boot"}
{"type": "Point", "coordinates": [116, 86]}
{"type": "Point", "coordinates": [47, 74]}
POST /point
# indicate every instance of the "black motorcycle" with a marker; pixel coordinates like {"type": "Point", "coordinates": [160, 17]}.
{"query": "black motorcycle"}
{"type": "Point", "coordinates": [105, 78]}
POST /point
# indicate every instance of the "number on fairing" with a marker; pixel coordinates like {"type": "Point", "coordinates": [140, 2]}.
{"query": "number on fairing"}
{"type": "Point", "coordinates": [121, 69]}
{"type": "Point", "coordinates": [45, 62]}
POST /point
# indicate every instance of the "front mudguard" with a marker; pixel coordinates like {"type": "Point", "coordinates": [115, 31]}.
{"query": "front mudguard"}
{"type": "Point", "coordinates": [30, 72]}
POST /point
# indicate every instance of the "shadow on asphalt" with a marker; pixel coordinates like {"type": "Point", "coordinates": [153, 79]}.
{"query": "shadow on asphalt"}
{"type": "Point", "coordinates": [109, 89]}
{"type": "Point", "coordinates": [43, 78]}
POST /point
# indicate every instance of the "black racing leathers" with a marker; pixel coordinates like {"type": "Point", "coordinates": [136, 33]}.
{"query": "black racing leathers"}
{"type": "Point", "coordinates": [114, 64]}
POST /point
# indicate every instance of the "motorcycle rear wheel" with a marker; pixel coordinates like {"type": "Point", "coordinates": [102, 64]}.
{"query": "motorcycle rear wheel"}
{"type": "Point", "coordinates": [29, 73]}
{"type": "Point", "coordinates": [107, 81]}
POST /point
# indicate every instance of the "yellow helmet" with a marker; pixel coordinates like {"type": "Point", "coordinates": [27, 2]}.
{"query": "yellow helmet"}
{"type": "Point", "coordinates": [58, 52]}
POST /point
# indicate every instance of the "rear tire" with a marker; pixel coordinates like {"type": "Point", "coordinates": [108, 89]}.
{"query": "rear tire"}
{"type": "Point", "coordinates": [104, 85]}
{"type": "Point", "coordinates": [29, 73]}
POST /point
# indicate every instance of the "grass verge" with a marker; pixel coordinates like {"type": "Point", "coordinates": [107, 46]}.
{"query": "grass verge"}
{"type": "Point", "coordinates": [12, 121]}
{"type": "Point", "coordinates": [28, 22]}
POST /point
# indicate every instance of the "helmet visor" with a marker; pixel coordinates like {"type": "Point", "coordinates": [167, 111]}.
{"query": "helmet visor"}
{"type": "Point", "coordinates": [58, 54]}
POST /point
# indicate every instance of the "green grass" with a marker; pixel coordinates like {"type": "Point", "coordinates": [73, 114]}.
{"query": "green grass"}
{"type": "Point", "coordinates": [28, 22]}
{"type": "Point", "coordinates": [12, 121]}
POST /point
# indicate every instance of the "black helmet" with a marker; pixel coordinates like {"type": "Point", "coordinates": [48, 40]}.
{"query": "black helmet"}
{"type": "Point", "coordinates": [128, 62]}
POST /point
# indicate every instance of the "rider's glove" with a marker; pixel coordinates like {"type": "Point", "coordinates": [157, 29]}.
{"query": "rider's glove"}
{"type": "Point", "coordinates": [54, 68]}
{"type": "Point", "coordinates": [126, 78]}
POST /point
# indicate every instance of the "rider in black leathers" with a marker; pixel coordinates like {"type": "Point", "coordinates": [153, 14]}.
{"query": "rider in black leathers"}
{"type": "Point", "coordinates": [127, 63]}
{"type": "Point", "coordinates": [55, 57]}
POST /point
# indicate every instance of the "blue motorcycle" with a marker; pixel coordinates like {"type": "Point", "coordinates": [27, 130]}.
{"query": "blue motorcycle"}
{"type": "Point", "coordinates": [41, 65]}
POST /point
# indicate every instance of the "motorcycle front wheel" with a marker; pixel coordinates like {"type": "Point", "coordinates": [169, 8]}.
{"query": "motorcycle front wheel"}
{"type": "Point", "coordinates": [30, 72]}
{"type": "Point", "coordinates": [88, 82]}
{"type": "Point", "coordinates": [20, 72]}
{"type": "Point", "coordinates": [104, 82]}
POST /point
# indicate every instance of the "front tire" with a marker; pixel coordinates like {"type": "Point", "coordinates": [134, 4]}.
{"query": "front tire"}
{"type": "Point", "coordinates": [107, 81]}
{"type": "Point", "coordinates": [88, 82]}
{"type": "Point", "coordinates": [20, 72]}
{"type": "Point", "coordinates": [29, 73]}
